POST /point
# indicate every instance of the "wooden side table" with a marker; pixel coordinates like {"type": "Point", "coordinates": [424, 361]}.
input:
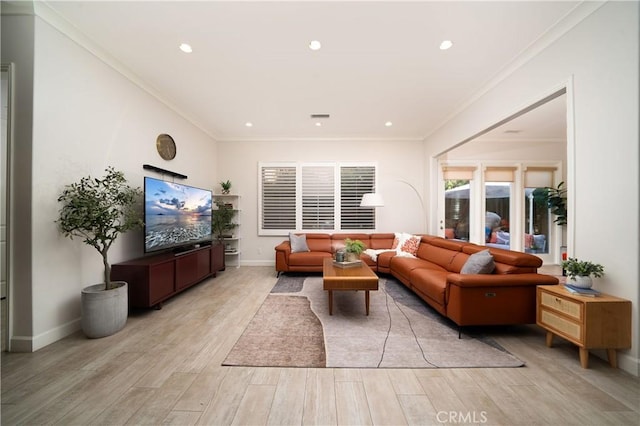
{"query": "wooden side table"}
{"type": "Point", "coordinates": [602, 322]}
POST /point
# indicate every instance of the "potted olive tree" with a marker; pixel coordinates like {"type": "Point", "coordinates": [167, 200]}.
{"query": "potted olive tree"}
{"type": "Point", "coordinates": [98, 210]}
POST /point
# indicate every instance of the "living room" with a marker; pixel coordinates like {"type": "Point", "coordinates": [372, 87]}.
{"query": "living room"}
{"type": "Point", "coordinates": [77, 113]}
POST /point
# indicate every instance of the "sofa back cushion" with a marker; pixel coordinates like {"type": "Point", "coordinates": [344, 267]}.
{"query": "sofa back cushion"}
{"type": "Point", "coordinates": [381, 241]}
{"type": "Point", "coordinates": [508, 257]}
{"type": "Point", "coordinates": [319, 242]}
{"type": "Point", "coordinates": [338, 240]}
{"type": "Point", "coordinates": [440, 256]}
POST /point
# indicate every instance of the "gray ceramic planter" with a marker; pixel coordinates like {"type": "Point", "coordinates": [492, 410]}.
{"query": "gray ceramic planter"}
{"type": "Point", "coordinates": [104, 312]}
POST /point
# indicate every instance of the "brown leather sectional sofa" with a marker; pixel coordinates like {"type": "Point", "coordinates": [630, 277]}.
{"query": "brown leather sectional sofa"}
{"type": "Point", "coordinates": [505, 296]}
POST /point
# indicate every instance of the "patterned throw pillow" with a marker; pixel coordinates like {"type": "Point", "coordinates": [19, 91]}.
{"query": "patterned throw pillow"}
{"type": "Point", "coordinates": [411, 245]}
{"type": "Point", "coordinates": [298, 243]}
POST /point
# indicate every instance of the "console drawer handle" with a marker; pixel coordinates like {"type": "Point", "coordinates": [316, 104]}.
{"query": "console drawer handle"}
{"type": "Point", "coordinates": [489, 295]}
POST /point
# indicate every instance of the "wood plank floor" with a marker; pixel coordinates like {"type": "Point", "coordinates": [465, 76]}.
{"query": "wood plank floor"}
{"type": "Point", "coordinates": [164, 368]}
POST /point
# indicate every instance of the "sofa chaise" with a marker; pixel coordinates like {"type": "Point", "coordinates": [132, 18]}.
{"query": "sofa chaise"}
{"type": "Point", "coordinates": [442, 272]}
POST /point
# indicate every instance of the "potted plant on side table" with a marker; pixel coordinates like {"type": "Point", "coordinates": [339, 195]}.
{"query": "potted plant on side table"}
{"type": "Point", "coordinates": [98, 210]}
{"type": "Point", "coordinates": [579, 272]}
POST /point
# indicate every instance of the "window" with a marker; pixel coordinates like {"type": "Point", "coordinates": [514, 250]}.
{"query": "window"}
{"type": "Point", "coordinates": [278, 203]}
{"type": "Point", "coordinates": [355, 181]}
{"type": "Point", "coordinates": [308, 197]}
{"type": "Point", "coordinates": [318, 200]}
{"type": "Point", "coordinates": [457, 192]}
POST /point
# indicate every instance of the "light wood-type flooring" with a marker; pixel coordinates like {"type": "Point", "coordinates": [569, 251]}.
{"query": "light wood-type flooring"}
{"type": "Point", "coordinates": [165, 368]}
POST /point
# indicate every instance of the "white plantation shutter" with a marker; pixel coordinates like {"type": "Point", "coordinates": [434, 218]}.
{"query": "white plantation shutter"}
{"type": "Point", "coordinates": [278, 202]}
{"type": "Point", "coordinates": [308, 197]}
{"type": "Point", "coordinates": [318, 197]}
{"type": "Point", "coordinates": [354, 182]}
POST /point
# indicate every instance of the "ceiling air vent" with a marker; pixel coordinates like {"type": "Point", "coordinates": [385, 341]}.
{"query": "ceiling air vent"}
{"type": "Point", "coordinates": [316, 116]}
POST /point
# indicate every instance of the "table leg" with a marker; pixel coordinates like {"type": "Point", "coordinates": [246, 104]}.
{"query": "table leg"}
{"type": "Point", "coordinates": [366, 300]}
{"type": "Point", "coordinates": [584, 357]}
{"type": "Point", "coordinates": [613, 359]}
{"type": "Point", "coordinates": [549, 339]}
{"type": "Point", "coordinates": [330, 302]}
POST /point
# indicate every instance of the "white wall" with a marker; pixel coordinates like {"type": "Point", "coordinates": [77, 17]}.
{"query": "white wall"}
{"type": "Point", "coordinates": [515, 151]}
{"type": "Point", "coordinates": [396, 160]}
{"type": "Point", "coordinates": [599, 59]}
{"type": "Point", "coordinates": [87, 116]}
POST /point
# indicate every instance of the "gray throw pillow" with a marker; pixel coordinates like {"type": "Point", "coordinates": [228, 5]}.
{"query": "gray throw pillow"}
{"type": "Point", "coordinates": [298, 243]}
{"type": "Point", "coordinates": [479, 263]}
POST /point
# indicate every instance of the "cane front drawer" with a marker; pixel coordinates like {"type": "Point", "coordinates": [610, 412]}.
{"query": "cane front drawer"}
{"type": "Point", "coordinates": [562, 305]}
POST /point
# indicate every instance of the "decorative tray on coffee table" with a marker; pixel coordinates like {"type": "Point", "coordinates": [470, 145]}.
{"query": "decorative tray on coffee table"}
{"type": "Point", "coordinates": [349, 264]}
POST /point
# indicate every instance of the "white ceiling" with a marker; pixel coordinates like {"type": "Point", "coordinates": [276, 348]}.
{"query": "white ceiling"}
{"type": "Point", "coordinates": [379, 61]}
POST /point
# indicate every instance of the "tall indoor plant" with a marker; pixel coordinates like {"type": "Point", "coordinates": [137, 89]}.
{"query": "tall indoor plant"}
{"type": "Point", "coordinates": [222, 220]}
{"type": "Point", "coordinates": [98, 210]}
{"type": "Point", "coordinates": [556, 200]}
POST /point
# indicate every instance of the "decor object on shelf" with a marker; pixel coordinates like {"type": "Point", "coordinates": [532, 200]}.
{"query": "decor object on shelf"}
{"type": "Point", "coordinates": [222, 220]}
{"type": "Point", "coordinates": [353, 249]}
{"type": "Point", "coordinates": [226, 186]}
{"type": "Point", "coordinates": [556, 199]}
{"type": "Point", "coordinates": [98, 210]}
{"type": "Point", "coordinates": [579, 272]}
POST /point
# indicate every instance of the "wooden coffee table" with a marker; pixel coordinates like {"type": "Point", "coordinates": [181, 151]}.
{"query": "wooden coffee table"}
{"type": "Point", "coordinates": [353, 278]}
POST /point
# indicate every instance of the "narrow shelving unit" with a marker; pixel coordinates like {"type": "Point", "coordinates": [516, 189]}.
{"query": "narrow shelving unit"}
{"type": "Point", "coordinates": [232, 243]}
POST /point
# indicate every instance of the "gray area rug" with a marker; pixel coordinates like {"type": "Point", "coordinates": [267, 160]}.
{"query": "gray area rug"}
{"type": "Point", "coordinates": [401, 331]}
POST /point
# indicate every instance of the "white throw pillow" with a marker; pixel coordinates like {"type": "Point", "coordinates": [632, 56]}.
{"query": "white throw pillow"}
{"type": "Point", "coordinates": [298, 243]}
{"type": "Point", "coordinates": [479, 263]}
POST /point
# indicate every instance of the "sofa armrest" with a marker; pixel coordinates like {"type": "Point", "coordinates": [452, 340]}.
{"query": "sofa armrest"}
{"type": "Point", "coordinates": [498, 280]}
{"type": "Point", "coordinates": [283, 250]}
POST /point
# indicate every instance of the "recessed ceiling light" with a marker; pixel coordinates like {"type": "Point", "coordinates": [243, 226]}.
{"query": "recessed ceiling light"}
{"type": "Point", "coordinates": [446, 44]}
{"type": "Point", "coordinates": [388, 124]}
{"type": "Point", "coordinates": [186, 48]}
{"type": "Point", "coordinates": [248, 124]}
{"type": "Point", "coordinates": [315, 45]}
{"type": "Point", "coordinates": [318, 124]}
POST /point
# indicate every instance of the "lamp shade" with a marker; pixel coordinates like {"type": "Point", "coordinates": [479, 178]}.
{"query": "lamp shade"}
{"type": "Point", "coordinates": [372, 199]}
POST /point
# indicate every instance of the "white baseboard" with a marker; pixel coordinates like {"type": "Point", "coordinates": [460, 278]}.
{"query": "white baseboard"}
{"type": "Point", "coordinates": [32, 344]}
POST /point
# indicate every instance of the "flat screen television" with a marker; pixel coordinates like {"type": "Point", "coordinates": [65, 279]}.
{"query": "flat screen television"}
{"type": "Point", "coordinates": [176, 216]}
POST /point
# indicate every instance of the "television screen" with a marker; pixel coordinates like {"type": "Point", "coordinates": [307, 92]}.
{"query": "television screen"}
{"type": "Point", "coordinates": [175, 215]}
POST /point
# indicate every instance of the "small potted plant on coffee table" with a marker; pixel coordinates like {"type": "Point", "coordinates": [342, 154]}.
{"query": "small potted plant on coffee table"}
{"type": "Point", "coordinates": [579, 272]}
{"type": "Point", "coordinates": [353, 249]}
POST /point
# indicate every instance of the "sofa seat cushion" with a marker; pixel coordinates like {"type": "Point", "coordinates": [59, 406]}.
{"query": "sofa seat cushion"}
{"type": "Point", "coordinates": [384, 260]}
{"type": "Point", "coordinates": [430, 282]}
{"type": "Point", "coordinates": [312, 258]}
{"type": "Point", "coordinates": [402, 266]}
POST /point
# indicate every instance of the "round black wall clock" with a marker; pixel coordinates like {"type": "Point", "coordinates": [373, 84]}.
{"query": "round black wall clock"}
{"type": "Point", "coordinates": [166, 146]}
